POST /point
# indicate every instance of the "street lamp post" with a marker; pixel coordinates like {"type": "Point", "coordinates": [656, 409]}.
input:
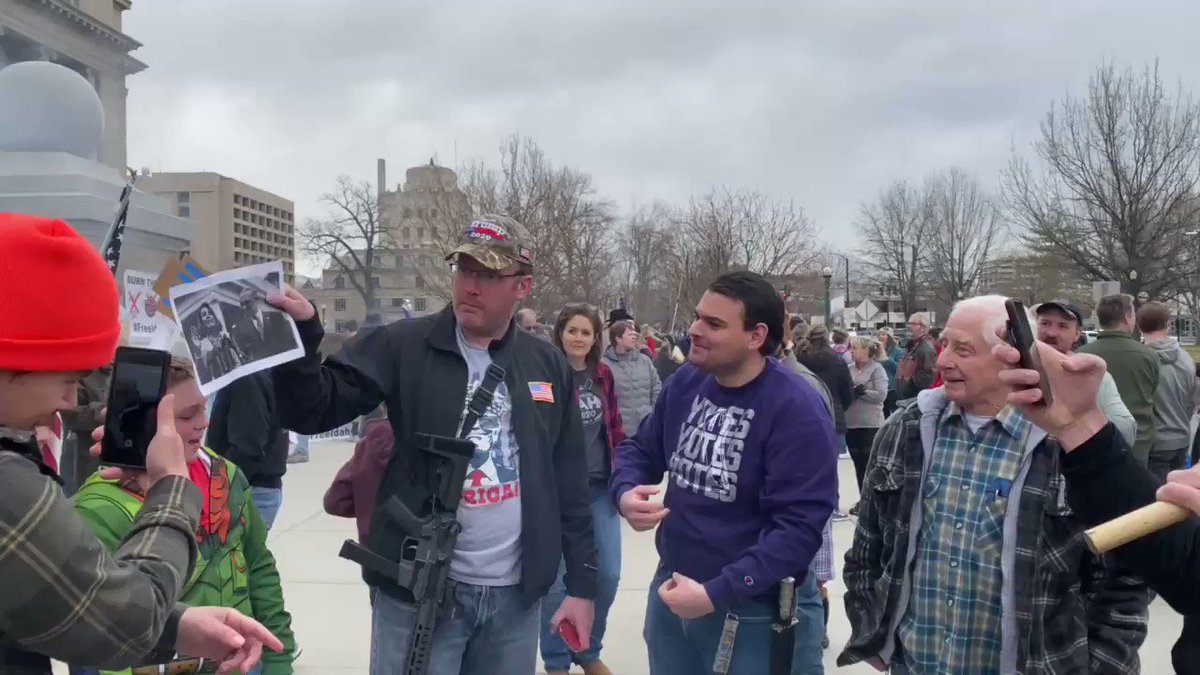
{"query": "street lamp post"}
{"type": "Point", "coordinates": [846, 299]}
{"type": "Point", "coordinates": [827, 274]}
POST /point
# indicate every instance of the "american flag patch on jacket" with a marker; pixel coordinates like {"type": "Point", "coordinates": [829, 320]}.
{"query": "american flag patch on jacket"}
{"type": "Point", "coordinates": [541, 391]}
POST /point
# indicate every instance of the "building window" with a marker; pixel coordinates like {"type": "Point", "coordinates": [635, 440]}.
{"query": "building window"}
{"type": "Point", "coordinates": [419, 305]}
{"type": "Point", "coordinates": [433, 213]}
{"type": "Point", "coordinates": [408, 213]}
{"type": "Point", "coordinates": [339, 326]}
{"type": "Point", "coordinates": [374, 282]}
{"type": "Point", "coordinates": [185, 211]}
{"type": "Point", "coordinates": [397, 302]}
{"type": "Point", "coordinates": [405, 233]}
{"type": "Point", "coordinates": [237, 199]}
{"type": "Point", "coordinates": [339, 305]}
{"type": "Point", "coordinates": [420, 281]}
{"type": "Point", "coordinates": [183, 197]}
{"type": "Point", "coordinates": [339, 283]}
{"type": "Point", "coordinates": [420, 233]}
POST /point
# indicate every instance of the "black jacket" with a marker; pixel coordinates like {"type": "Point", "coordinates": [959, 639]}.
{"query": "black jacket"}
{"type": "Point", "coordinates": [246, 430]}
{"type": "Point", "coordinates": [1105, 480]}
{"type": "Point", "coordinates": [834, 372]}
{"type": "Point", "coordinates": [415, 366]}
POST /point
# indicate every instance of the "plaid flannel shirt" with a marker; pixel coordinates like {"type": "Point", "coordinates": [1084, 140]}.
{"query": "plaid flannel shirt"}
{"type": "Point", "coordinates": [953, 617]}
{"type": "Point", "coordinates": [1070, 611]}
{"type": "Point", "coordinates": [612, 411]}
{"type": "Point", "coordinates": [64, 596]}
{"type": "Point", "coordinates": [822, 564]}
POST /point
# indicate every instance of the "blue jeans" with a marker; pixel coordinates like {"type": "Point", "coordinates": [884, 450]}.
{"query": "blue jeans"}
{"type": "Point", "coordinates": [492, 633]}
{"type": "Point", "coordinates": [606, 526]}
{"type": "Point", "coordinates": [689, 646]}
{"type": "Point", "coordinates": [267, 501]}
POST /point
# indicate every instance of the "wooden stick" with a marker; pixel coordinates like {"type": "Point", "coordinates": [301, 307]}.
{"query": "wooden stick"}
{"type": "Point", "coordinates": [1133, 525]}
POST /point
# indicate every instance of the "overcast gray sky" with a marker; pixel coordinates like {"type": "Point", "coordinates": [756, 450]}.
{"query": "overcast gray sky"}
{"type": "Point", "coordinates": [825, 103]}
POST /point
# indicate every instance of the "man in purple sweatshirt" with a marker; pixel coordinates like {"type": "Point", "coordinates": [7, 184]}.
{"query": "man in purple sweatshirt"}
{"type": "Point", "coordinates": [752, 463]}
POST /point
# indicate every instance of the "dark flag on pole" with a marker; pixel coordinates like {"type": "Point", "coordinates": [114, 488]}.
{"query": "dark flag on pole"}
{"type": "Point", "coordinates": [111, 248]}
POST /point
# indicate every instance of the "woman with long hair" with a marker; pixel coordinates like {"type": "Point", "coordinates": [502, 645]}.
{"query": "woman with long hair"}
{"type": "Point", "coordinates": [865, 414]}
{"type": "Point", "coordinates": [217, 350]}
{"type": "Point", "coordinates": [577, 334]}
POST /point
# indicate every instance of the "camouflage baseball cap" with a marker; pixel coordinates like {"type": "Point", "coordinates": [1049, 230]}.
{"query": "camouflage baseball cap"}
{"type": "Point", "coordinates": [495, 241]}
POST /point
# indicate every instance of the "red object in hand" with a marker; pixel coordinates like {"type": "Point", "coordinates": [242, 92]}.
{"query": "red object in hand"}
{"type": "Point", "coordinates": [570, 635]}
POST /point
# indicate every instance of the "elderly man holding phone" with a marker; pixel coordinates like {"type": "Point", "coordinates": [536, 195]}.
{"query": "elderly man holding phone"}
{"type": "Point", "coordinates": [966, 558]}
{"type": "Point", "coordinates": [1105, 480]}
{"type": "Point", "coordinates": [64, 596]}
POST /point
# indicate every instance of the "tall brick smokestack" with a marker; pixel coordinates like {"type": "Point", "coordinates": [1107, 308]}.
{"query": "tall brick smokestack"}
{"type": "Point", "coordinates": [381, 177]}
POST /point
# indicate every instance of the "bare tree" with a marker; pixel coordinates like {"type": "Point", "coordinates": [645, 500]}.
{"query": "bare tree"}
{"type": "Point", "coordinates": [966, 231]}
{"type": "Point", "coordinates": [570, 228]}
{"type": "Point", "coordinates": [352, 238]}
{"type": "Point", "coordinates": [895, 230]}
{"type": "Point", "coordinates": [643, 248]}
{"type": "Point", "coordinates": [1114, 195]}
{"type": "Point", "coordinates": [726, 229]}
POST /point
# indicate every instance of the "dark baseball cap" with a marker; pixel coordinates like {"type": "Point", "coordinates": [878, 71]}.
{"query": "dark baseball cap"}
{"type": "Point", "coordinates": [495, 241]}
{"type": "Point", "coordinates": [1069, 307]}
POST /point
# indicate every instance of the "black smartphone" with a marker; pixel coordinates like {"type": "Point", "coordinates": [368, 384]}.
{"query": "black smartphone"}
{"type": "Point", "coordinates": [1020, 336]}
{"type": "Point", "coordinates": [139, 381]}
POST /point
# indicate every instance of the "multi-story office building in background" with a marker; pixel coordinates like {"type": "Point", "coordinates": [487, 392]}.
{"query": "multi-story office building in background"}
{"type": "Point", "coordinates": [235, 224]}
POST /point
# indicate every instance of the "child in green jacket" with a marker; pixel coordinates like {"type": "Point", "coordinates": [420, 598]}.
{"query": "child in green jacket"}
{"type": "Point", "coordinates": [235, 568]}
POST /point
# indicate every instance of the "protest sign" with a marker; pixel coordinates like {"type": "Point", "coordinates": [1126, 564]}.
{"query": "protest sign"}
{"type": "Point", "coordinates": [148, 326]}
{"type": "Point", "coordinates": [342, 433]}
{"type": "Point", "coordinates": [182, 271]}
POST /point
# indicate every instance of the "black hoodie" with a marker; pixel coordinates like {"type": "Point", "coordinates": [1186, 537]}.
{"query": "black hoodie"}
{"type": "Point", "coordinates": [246, 430]}
{"type": "Point", "coordinates": [834, 372]}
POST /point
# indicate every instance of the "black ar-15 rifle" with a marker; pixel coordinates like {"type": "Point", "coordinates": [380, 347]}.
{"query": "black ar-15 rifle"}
{"type": "Point", "coordinates": [424, 565]}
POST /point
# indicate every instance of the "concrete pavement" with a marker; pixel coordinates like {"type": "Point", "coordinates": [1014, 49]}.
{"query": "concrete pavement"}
{"type": "Point", "coordinates": [331, 614]}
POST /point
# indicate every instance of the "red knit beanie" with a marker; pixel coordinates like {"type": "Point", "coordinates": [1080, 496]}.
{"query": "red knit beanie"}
{"type": "Point", "coordinates": [58, 301]}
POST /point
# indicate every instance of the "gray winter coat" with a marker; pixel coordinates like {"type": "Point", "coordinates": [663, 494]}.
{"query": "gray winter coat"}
{"type": "Point", "coordinates": [637, 386]}
{"type": "Point", "coordinates": [866, 412]}
{"type": "Point", "coordinates": [1173, 399]}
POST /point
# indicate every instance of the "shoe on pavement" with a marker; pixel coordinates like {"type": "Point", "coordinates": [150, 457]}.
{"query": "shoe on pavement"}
{"type": "Point", "coordinates": [839, 515]}
{"type": "Point", "coordinates": [854, 510]}
{"type": "Point", "coordinates": [297, 458]}
{"type": "Point", "coordinates": [596, 667]}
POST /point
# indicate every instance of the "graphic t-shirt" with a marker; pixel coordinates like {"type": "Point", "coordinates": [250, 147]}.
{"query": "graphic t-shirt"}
{"type": "Point", "coordinates": [591, 410]}
{"type": "Point", "coordinates": [489, 548]}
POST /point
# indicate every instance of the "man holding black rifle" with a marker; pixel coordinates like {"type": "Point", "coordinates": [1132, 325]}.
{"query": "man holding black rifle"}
{"type": "Point", "coordinates": [524, 502]}
{"type": "Point", "coordinates": [64, 596]}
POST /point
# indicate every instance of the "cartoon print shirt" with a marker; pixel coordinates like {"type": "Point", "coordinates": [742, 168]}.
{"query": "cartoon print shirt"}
{"type": "Point", "coordinates": [591, 411]}
{"type": "Point", "coordinates": [489, 548]}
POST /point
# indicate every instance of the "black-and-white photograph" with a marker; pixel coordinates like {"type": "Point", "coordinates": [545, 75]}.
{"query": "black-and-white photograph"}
{"type": "Point", "coordinates": [228, 327]}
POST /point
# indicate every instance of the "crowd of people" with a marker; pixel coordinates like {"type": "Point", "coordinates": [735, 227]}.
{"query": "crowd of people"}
{"type": "Point", "coordinates": [967, 556]}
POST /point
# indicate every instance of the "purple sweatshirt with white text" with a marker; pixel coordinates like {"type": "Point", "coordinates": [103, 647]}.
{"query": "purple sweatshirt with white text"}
{"type": "Point", "coordinates": [752, 478]}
